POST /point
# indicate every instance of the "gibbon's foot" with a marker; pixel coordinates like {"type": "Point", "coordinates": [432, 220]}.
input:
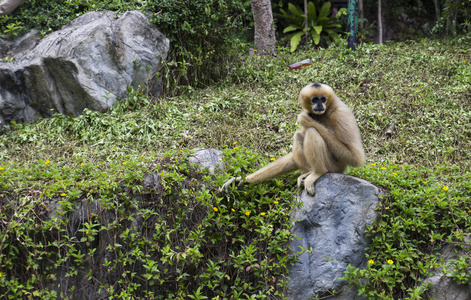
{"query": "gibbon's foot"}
{"type": "Point", "coordinates": [301, 178]}
{"type": "Point", "coordinates": [225, 186]}
{"type": "Point", "coordinates": [309, 183]}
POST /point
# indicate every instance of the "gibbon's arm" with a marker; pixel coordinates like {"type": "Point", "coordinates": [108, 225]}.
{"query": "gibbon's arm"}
{"type": "Point", "coordinates": [344, 145]}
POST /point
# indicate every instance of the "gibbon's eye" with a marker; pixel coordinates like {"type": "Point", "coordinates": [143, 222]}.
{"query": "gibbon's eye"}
{"type": "Point", "coordinates": [315, 99]}
{"type": "Point", "coordinates": [323, 99]}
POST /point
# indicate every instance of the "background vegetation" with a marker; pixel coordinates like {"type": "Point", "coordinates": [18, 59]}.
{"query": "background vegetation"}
{"type": "Point", "coordinates": [177, 238]}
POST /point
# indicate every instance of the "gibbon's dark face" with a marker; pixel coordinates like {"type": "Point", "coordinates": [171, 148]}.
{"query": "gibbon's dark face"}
{"type": "Point", "coordinates": [318, 104]}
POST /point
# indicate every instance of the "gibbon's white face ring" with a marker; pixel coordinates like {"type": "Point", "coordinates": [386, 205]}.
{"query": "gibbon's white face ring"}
{"type": "Point", "coordinates": [318, 112]}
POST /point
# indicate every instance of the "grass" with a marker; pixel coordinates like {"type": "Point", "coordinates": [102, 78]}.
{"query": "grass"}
{"type": "Point", "coordinates": [423, 88]}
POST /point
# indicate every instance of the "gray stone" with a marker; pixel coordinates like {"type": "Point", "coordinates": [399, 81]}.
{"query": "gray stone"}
{"type": "Point", "coordinates": [208, 158]}
{"type": "Point", "coordinates": [333, 224]}
{"type": "Point", "coordinates": [89, 63]}
{"type": "Point", "coordinates": [442, 285]}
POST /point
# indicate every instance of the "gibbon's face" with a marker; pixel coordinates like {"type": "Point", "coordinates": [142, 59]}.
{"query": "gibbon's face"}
{"type": "Point", "coordinates": [315, 98]}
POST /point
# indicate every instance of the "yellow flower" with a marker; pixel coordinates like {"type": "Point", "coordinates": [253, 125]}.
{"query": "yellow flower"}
{"type": "Point", "coordinates": [0, 274]}
{"type": "Point", "coordinates": [390, 261]}
{"type": "Point", "coordinates": [232, 209]}
{"type": "Point", "coordinates": [247, 213]}
{"type": "Point", "coordinates": [262, 214]}
{"type": "Point", "coordinates": [225, 146]}
{"type": "Point", "coordinates": [142, 155]}
{"type": "Point", "coordinates": [383, 168]}
{"type": "Point", "coordinates": [81, 164]}
{"type": "Point", "coordinates": [215, 208]}
{"type": "Point", "coordinates": [124, 163]}
{"type": "Point", "coordinates": [51, 109]}
{"type": "Point", "coordinates": [235, 148]}
{"type": "Point", "coordinates": [276, 202]}
{"type": "Point", "coordinates": [86, 232]}
{"type": "Point", "coordinates": [132, 123]}
{"type": "Point", "coordinates": [371, 261]}
{"type": "Point", "coordinates": [394, 173]}
{"type": "Point", "coordinates": [113, 147]}
{"type": "Point", "coordinates": [272, 158]}
{"type": "Point", "coordinates": [63, 194]}
{"type": "Point", "coordinates": [445, 188]}
{"type": "Point", "coordinates": [1, 169]}
{"type": "Point", "coordinates": [47, 161]}
{"type": "Point", "coordinates": [234, 143]}
{"type": "Point", "coordinates": [425, 183]}
{"type": "Point", "coordinates": [373, 164]}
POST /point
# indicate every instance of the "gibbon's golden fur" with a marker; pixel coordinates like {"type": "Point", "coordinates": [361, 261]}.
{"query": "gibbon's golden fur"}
{"type": "Point", "coordinates": [328, 141]}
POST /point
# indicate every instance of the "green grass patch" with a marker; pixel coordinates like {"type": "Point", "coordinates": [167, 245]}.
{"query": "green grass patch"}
{"type": "Point", "coordinates": [182, 239]}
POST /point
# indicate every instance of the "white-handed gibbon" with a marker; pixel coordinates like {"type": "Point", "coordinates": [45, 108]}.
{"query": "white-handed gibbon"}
{"type": "Point", "coordinates": [328, 141]}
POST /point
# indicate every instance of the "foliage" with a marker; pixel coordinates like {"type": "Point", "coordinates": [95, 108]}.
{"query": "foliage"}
{"type": "Point", "coordinates": [421, 87]}
{"type": "Point", "coordinates": [204, 35]}
{"type": "Point", "coordinates": [320, 25]}
{"type": "Point", "coordinates": [455, 18]}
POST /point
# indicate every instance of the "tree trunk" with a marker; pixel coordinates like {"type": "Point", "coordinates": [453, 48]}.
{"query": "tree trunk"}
{"type": "Point", "coordinates": [437, 9]}
{"type": "Point", "coordinates": [8, 6]}
{"type": "Point", "coordinates": [306, 26]}
{"type": "Point", "coordinates": [352, 26]}
{"type": "Point", "coordinates": [264, 36]}
{"type": "Point", "coordinates": [380, 23]}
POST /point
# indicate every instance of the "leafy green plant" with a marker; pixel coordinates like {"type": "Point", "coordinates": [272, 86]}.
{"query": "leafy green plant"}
{"type": "Point", "coordinates": [320, 26]}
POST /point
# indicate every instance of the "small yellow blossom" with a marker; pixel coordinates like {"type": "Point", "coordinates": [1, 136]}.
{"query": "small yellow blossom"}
{"type": "Point", "coordinates": [390, 261]}
{"type": "Point", "coordinates": [132, 123]}
{"type": "Point", "coordinates": [247, 213]}
{"type": "Point", "coordinates": [215, 208]}
{"type": "Point", "coordinates": [394, 174]}
{"type": "Point", "coordinates": [234, 143]}
{"type": "Point", "coordinates": [445, 188]}
{"type": "Point", "coordinates": [225, 146]}
{"type": "Point", "coordinates": [124, 163]}
{"type": "Point", "coordinates": [47, 161]}
{"type": "Point", "coordinates": [276, 202]}
{"type": "Point", "coordinates": [63, 194]}
{"type": "Point", "coordinates": [142, 155]}
{"type": "Point", "coordinates": [425, 183]}
{"type": "Point", "coordinates": [86, 232]}
{"type": "Point", "coordinates": [51, 109]}
{"type": "Point", "coordinates": [373, 164]}
{"type": "Point", "coordinates": [1, 274]}
{"type": "Point", "coordinates": [1, 169]}
{"type": "Point", "coordinates": [272, 158]}
{"type": "Point", "coordinates": [232, 209]}
{"type": "Point", "coordinates": [113, 147]}
{"type": "Point", "coordinates": [383, 168]}
{"type": "Point", "coordinates": [81, 164]}
{"type": "Point", "coordinates": [371, 261]}
{"type": "Point", "coordinates": [235, 148]}
{"type": "Point", "coordinates": [262, 214]}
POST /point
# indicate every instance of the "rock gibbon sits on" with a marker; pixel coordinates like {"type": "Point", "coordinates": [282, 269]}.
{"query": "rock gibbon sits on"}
{"type": "Point", "coordinates": [328, 141]}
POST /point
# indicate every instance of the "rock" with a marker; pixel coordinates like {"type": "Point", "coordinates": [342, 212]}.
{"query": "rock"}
{"type": "Point", "coordinates": [208, 158]}
{"type": "Point", "coordinates": [442, 285]}
{"type": "Point", "coordinates": [89, 63]}
{"type": "Point", "coordinates": [333, 224]}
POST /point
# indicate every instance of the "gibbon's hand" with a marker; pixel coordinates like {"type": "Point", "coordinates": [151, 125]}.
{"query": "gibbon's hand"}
{"type": "Point", "coordinates": [225, 186]}
{"type": "Point", "coordinates": [305, 120]}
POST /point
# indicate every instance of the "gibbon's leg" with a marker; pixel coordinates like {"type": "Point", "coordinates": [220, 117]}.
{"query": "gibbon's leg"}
{"type": "Point", "coordinates": [283, 165]}
{"type": "Point", "coordinates": [299, 158]}
{"type": "Point", "coordinates": [318, 156]}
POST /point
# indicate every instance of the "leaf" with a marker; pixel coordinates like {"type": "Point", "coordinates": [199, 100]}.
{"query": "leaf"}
{"type": "Point", "coordinates": [311, 11]}
{"type": "Point", "coordinates": [325, 10]}
{"type": "Point", "coordinates": [291, 28]}
{"type": "Point", "coordinates": [341, 12]}
{"type": "Point", "coordinates": [333, 34]}
{"type": "Point", "coordinates": [316, 37]}
{"type": "Point", "coordinates": [295, 40]}
{"type": "Point", "coordinates": [295, 11]}
{"type": "Point", "coordinates": [318, 29]}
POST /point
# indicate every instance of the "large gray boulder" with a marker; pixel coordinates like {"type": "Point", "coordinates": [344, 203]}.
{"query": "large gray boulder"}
{"type": "Point", "coordinates": [89, 63]}
{"type": "Point", "coordinates": [333, 224]}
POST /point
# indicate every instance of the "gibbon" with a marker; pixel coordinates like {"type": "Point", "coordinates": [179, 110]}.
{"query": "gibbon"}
{"type": "Point", "coordinates": [328, 141]}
